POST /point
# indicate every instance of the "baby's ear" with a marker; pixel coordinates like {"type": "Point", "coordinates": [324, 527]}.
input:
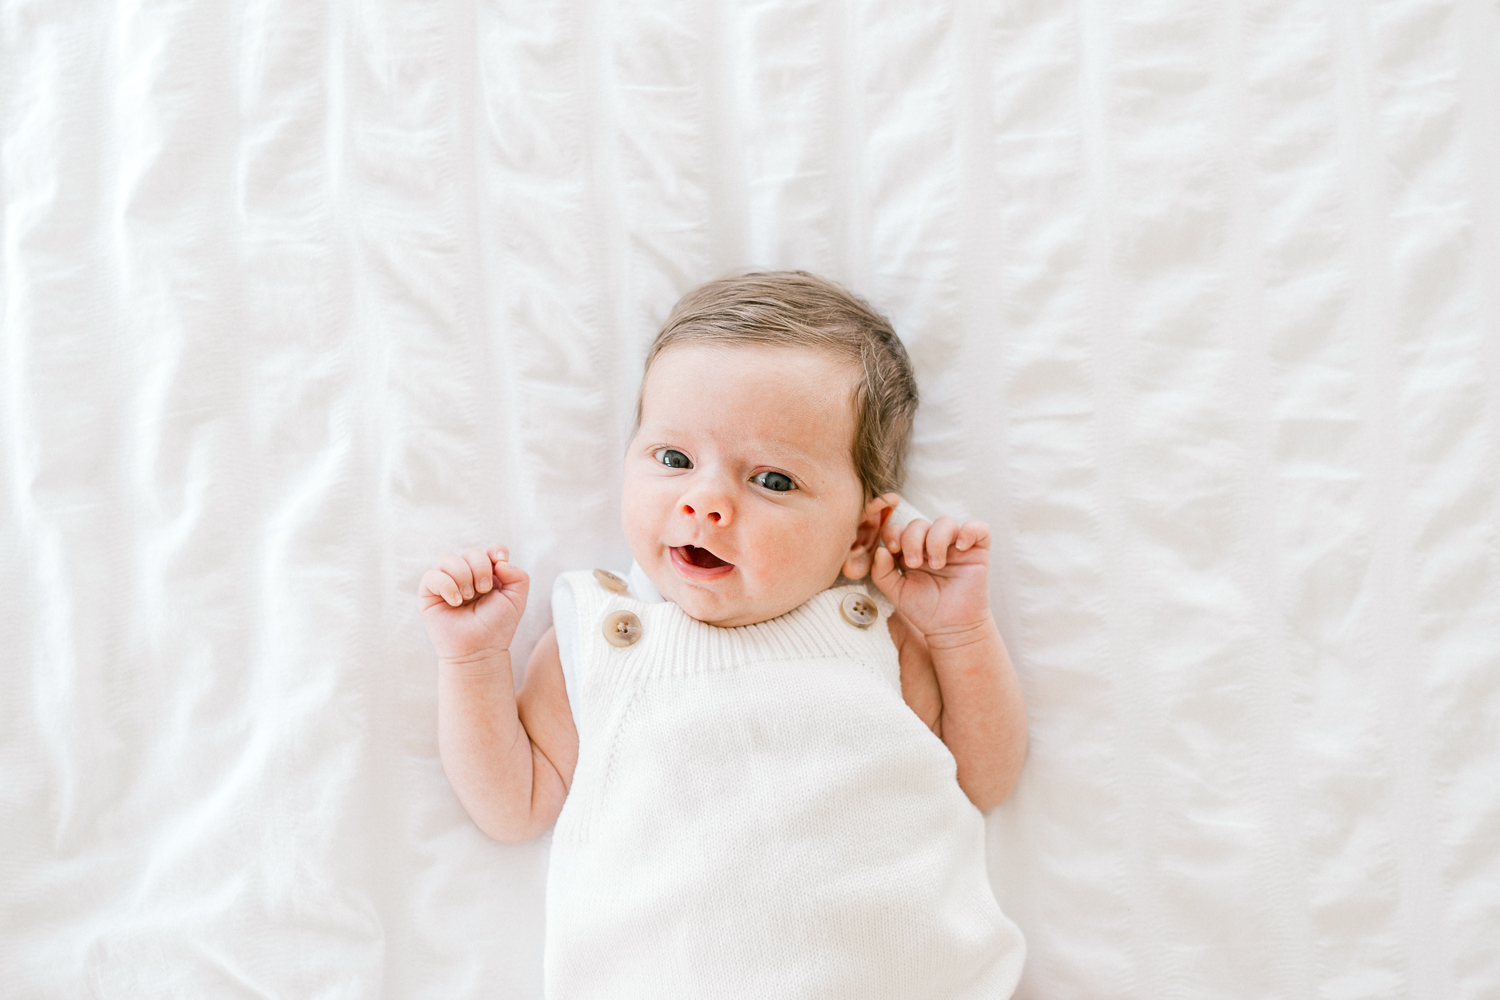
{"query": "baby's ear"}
{"type": "Point", "coordinates": [862, 553]}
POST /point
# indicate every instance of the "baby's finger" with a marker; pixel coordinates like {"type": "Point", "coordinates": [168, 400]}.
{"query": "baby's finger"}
{"type": "Point", "coordinates": [514, 583]}
{"type": "Point", "coordinates": [890, 535]}
{"type": "Point", "coordinates": [510, 575]}
{"type": "Point", "coordinates": [911, 542]}
{"type": "Point", "coordinates": [458, 568]}
{"type": "Point", "coordinates": [883, 573]}
{"type": "Point", "coordinates": [479, 565]}
{"type": "Point", "coordinates": [498, 553]}
{"type": "Point", "coordinates": [435, 581]}
{"type": "Point", "coordinates": [972, 535]}
{"type": "Point", "coordinates": [938, 539]}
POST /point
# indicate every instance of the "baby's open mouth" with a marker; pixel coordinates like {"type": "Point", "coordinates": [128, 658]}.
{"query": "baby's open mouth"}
{"type": "Point", "coordinates": [702, 558]}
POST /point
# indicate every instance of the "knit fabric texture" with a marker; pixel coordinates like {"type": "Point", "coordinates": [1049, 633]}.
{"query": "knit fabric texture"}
{"type": "Point", "coordinates": [757, 813]}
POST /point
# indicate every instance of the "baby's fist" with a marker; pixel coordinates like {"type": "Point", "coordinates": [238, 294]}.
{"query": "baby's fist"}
{"type": "Point", "coordinates": [937, 574]}
{"type": "Point", "coordinates": [472, 603]}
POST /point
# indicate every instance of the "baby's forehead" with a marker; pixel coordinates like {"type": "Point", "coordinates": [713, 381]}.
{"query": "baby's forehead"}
{"type": "Point", "coordinates": [732, 362]}
{"type": "Point", "coordinates": [792, 395]}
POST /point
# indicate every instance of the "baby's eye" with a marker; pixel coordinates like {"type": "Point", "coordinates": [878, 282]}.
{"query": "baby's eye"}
{"type": "Point", "coordinates": [774, 481]}
{"type": "Point", "coordinates": [673, 459]}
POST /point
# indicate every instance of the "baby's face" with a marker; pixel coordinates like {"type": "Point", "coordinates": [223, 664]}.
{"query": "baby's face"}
{"type": "Point", "coordinates": [741, 500]}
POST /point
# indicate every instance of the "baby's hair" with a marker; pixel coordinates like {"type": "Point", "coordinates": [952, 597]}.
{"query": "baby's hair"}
{"type": "Point", "coordinates": [797, 309]}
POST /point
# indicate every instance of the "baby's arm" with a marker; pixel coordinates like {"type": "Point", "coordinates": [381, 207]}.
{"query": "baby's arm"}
{"type": "Point", "coordinates": [509, 758]}
{"type": "Point", "coordinates": [955, 671]}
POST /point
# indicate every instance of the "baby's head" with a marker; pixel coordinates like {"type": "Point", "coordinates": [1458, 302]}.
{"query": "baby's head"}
{"type": "Point", "coordinates": [771, 431]}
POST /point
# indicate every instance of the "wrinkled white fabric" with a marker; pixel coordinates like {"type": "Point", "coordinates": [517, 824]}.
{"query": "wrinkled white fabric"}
{"type": "Point", "coordinates": [294, 297]}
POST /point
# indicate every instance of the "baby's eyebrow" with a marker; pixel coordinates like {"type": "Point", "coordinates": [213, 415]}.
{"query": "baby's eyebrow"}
{"type": "Point", "coordinates": [780, 450]}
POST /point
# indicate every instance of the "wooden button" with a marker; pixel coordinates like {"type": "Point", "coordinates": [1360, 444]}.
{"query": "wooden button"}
{"type": "Point", "coordinates": [858, 610]}
{"type": "Point", "coordinates": [621, 628]}
{"type": "Point", "coordinates": [610, 581]}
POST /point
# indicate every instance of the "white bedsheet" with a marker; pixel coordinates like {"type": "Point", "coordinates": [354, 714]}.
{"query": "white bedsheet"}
{"type": "Point", "coordinates": [1205, 304]}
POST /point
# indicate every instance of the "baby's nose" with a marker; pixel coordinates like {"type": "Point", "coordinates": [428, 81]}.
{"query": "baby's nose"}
{"type": "Point", "coordinates": [707, 509]}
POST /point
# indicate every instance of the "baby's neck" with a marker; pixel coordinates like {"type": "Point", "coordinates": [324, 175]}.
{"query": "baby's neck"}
{"type": "Point", "coordinates": [641, 586]}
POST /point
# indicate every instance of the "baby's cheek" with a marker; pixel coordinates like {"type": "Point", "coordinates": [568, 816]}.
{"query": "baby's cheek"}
{"type": "Point", "coordinates": [811, 548]}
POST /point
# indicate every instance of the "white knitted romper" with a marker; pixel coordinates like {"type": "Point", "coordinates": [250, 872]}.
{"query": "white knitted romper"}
{"type": "Point", "coordinates": [757, 813]}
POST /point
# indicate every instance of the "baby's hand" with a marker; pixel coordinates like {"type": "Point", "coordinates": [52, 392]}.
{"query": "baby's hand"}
{"type": "Point", "coordinates": [472, 603]}
{"type": "Point", "coordinates": [943, 585]}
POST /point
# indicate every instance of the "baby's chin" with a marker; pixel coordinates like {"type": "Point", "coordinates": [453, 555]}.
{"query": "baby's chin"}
{"type": "Point", "coordinates": [731, 617]}
{"type": "Point", "coordinates": [711, 608]}
{"type": "Point", "coordinates": [730, 610]}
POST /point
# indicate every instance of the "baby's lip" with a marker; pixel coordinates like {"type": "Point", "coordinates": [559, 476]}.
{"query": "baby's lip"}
{"type": "Point", "coordinates": [697, 563]}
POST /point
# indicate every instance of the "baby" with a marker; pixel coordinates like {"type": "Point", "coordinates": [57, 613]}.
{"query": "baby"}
{"type": "Point", "coordinates": [763, 771]}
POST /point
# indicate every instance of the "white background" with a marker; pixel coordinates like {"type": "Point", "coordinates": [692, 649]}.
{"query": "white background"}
{"type": "Point", "coordinates": [1205, 305]}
